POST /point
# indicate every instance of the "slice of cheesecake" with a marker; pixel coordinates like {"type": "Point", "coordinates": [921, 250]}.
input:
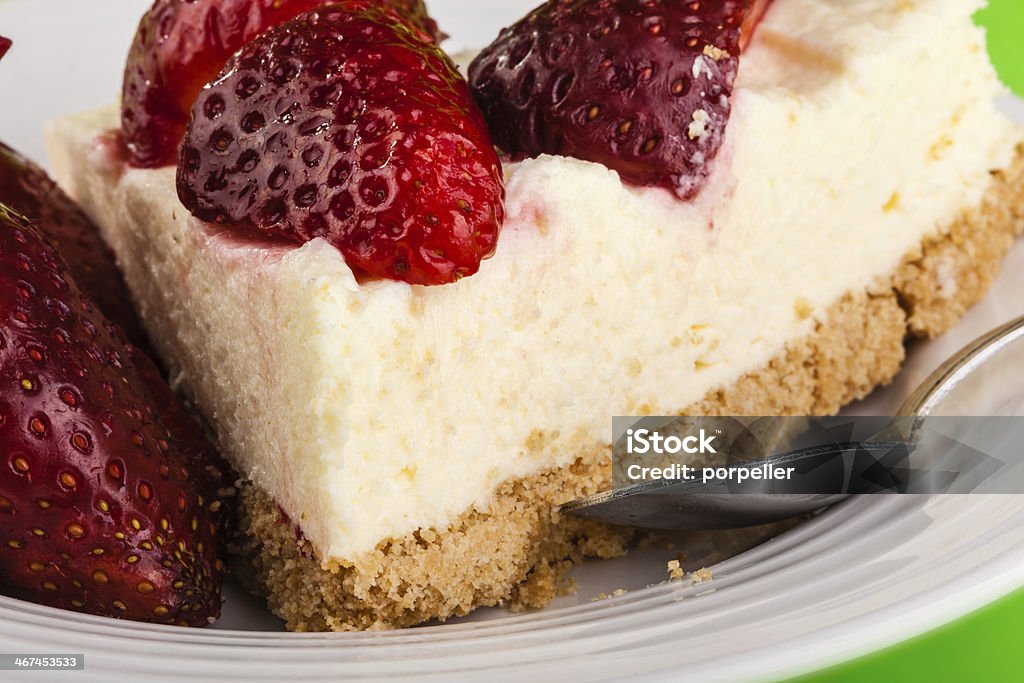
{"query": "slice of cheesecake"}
{"type": "Point", "coordinates": [405, 447]}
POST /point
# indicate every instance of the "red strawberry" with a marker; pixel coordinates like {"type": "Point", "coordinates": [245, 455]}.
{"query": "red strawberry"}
{"type": "Point", "coordinates": [181, 45]}
{"type": "Point", "coordinates": [27, 189]}
{"type": "Point", "coordinates": [97, 510]}
{"type": "Point", "coordinates": [346, 124]}
{"type": "Point", "coordinates": [416, 13]}
{"type": "Point", "coordinates": [641, 86]}
{"type": "Point", "coordinates": [5, 45]}
{"type": "Point", "coordinates": [212, 476]}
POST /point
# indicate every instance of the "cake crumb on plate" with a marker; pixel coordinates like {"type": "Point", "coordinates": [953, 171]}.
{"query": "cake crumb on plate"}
{"type": "Point", "coordinates": [702, 575]}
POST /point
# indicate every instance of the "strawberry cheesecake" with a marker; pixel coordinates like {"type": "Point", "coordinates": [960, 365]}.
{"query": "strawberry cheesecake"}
{"type": "Point", "coordinates": [411, 348]}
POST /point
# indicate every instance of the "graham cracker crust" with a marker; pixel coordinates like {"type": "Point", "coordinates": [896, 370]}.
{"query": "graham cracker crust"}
{"type": "Point", "coordinates": [515, 553]}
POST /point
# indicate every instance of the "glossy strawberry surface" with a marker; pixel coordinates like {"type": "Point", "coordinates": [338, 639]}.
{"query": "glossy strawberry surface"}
{"type": "Point", "coordinates": [641, 86]}
{"type": "Point", "coordinates": [181, 45]}
{"type": "Point", "coordinates": [349, 124]}
{"type": "Point", "coordinates": [27, 189]}
{"type": "Point", "coordinates": [209, 472]}
{"type": "Point", "coordinates": [99, 511]}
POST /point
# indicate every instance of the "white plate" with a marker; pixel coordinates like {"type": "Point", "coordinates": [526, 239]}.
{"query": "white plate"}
{"type": "Point", "coordinates": [861, 576]}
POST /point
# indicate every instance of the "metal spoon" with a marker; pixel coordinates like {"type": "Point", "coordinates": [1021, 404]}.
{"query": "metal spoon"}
{"type": "Point", "coordinates": [671, 504]}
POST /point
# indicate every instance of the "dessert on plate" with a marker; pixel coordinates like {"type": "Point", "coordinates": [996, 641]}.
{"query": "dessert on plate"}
{"type": "Point", "coordinates": [412, 358]}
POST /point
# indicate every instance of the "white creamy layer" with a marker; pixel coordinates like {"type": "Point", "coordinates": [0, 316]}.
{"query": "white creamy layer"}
{"type": "Point", "coordinates": [370, 411]}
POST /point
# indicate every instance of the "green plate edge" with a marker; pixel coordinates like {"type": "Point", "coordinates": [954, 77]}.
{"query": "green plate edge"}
{"type": "Point", "coordinates": [983, 646]}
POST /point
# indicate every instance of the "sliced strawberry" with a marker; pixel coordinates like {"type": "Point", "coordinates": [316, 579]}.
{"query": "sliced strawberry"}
{"type": "Point", "coordinates": [346, 124]}
{"type": "Point", "coordinates": [181, 45]}
{"type": "Point", "coordinates": [98, 512]}
{"type": "Point", "coordinates": [27, 189]}
{"type": "Point", "coordinates": [5, 45]}
{"type": "Point", "coordinates": [641, 86]}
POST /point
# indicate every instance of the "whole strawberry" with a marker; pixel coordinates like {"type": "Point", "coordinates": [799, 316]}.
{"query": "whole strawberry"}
{"type": "Point", "coordinates": [641, 86]}
{"type": "Point", "coordinates": [347, 124]}
{"type": "Point", "coordinates": [180, 46]}
{"type": "Point", "coordinates": [27, 189]}
{"type": "Point", "coordinates": [98, 512]}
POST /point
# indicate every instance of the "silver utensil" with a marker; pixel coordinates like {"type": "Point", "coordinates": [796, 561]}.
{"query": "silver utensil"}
{"type": "Point", "coordinates": [672, 504]}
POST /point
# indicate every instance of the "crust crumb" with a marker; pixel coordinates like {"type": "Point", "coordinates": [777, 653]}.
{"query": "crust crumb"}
{"type": "Point", "coordinates": [716, 53]}
{"type": "Point", "coordinates": [702, 575]}
{"type": "Point", "coordinates": [618, 592]}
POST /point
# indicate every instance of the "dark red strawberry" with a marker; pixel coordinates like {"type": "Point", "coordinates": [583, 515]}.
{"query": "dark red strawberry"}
{"type": "Point", "coordinates": [27, 189]}
{"type": "Point", "coordinates": [97, 509]}
{"type": "Point", "coordinates": [348, 125]}
{"type": "Point", "coordinates": [5, 45]}
{"type": "Point", "coordinates": [641, 86]}
{"type": "Point", "coordinates": [181, 45]}
{"type": "Point", "coordinates": [212, 475]}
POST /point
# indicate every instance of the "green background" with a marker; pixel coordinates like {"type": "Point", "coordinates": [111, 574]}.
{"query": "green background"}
{"type": "Point", "coordinates": [987, 645]}
{"type": "Point", "coordinates": [1004, 21]}
{"type": "Point", "coordinates": [984, 646]}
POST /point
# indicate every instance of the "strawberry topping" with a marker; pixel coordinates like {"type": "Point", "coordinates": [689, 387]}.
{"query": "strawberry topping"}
{"type": "Point", "coordinates": [181, 45]}
{"type": "Point", "coordinates": [348, 124]}
{"type": "Point", "coordinates": [97, 509]}
{"type": "Point", "coordinates": [5, 45]}
{"type": "Point", "coordinates": [641, 86]}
